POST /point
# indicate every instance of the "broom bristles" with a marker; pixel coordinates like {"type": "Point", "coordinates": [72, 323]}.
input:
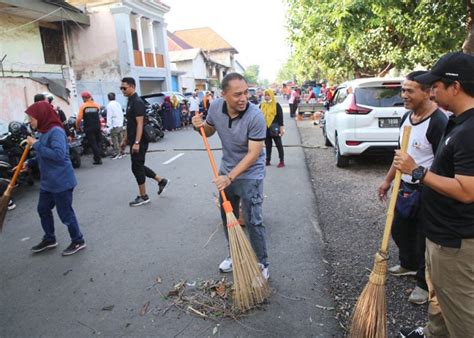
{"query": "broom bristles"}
{"type": "Point", "coordinates": [369, 316]}
{"type": "Point", "coordinates": [251, 288]}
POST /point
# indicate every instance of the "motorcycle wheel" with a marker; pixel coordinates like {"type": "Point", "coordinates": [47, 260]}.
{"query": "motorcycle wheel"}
{"type": "Point", "coordinates": [76, 161]}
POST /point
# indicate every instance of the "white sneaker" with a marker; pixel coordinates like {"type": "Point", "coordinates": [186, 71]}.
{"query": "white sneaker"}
{"type": "Point", "coordinates": [226, 265]}
{"type": "Point", "coordinates": [265, 272]}
{"type": "Point", "coordinates": [418, 296]}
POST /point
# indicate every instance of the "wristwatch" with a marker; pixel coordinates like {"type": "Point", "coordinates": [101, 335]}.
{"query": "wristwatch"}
{"type": "Point", "coordinates": [418, 174]}
{"type": "Point", "coordinates": [137, 142]}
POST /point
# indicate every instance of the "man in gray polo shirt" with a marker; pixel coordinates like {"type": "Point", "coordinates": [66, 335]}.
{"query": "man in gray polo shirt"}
{"type": "Point", "coordinates": [242, 130]}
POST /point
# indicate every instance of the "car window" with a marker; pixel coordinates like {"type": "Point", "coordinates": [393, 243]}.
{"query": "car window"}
{"type": "Point", "coordinates": [155, 100]}
{"type": "Point", "coordinates": [379, 96]}
{"type": "Point", "coordinates": [341, 95]}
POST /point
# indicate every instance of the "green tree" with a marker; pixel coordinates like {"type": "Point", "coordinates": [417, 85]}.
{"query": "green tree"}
{"type": "Point", "coordinates": [251, 74]}
{"type": "Point", "coordinates": [342, 39]}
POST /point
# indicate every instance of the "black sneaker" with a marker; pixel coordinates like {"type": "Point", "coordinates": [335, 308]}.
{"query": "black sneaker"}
{"type": "Point", "coordinates": [162, 185]}
{"type": "Point", "coordinates": [409, 333]}
{"type": "Point", "coordinates": [98, 162]}
{"type": "Point", "coordinates": [44, 245]}
{"type": "Point", "coordinates": [140, 200]}
{"type": "Point", "coordinates": [73, 248]}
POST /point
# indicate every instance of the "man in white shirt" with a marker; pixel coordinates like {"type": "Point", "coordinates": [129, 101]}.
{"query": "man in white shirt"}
{"type": "Point", "coordinates": [194, 104]}
{"type": "Point", "coordinates": [115, 124]}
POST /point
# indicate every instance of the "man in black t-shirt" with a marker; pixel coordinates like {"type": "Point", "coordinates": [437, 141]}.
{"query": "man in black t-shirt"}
{"type": "Point", "coordinates": [448, 202]}
{"type": "Point", "coordinates": [135, 115]}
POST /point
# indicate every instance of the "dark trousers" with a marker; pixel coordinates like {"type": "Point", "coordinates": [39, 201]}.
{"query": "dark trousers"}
{"type": "Point", "coordinates": [410, 239]}
{"type": "Point", "coordinates": [139, 170]}
{"type": "Point", "coordinates": [292, 111]}
{"type": "Point", "coordinates": [269, 144]}
{"type": "Point", "coordinates": [63, 203]}
{"type": "Point", "coordinates": [93, 137]}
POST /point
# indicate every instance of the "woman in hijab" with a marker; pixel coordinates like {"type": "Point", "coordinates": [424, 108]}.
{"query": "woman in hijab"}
{"type": "Point", "coordinates": [275, 129]}
{"type": "Point", "coordinates": [57, 177]}
{"type": "Point", "coordinates": [168, 120]}
{"type": "Point", "coordinates": [175, 112]}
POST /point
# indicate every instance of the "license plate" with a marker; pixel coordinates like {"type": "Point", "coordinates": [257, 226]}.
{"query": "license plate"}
{"type": "Point", "coordinates": [389, 122]}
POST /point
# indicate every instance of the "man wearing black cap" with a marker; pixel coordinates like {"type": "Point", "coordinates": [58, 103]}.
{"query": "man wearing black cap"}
{"type": "Point", "coordinates": [448, 202]}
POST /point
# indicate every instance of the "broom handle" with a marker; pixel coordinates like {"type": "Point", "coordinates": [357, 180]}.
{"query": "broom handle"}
{"type": "Point", "coordinates": [19, 166]}
{"type": "Point", "coordinates": [393, 197]}
{"type": "Point", "coordinates": [211, 159]}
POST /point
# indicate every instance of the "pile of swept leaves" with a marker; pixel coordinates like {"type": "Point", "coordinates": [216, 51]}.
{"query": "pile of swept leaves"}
{"type": "Point", "coordinates": [206, 299]}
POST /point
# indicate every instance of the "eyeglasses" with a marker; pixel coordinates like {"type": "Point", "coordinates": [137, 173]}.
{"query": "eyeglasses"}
{"type": "Point", "coordinates": [124, 88]}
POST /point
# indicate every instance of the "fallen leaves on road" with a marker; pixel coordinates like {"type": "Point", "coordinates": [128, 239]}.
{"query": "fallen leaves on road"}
{"type": "Point", "coordinates": [144, 308]}
{"type": "Point", "coordinates": [205, 299]}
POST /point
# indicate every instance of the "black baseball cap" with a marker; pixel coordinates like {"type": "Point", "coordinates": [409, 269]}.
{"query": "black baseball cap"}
{"type": "Point", "coordinates": [456, 66]}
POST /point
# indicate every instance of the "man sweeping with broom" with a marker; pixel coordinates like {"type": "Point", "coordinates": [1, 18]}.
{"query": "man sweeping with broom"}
{"type": "Point", "coordinates": [242, 130]}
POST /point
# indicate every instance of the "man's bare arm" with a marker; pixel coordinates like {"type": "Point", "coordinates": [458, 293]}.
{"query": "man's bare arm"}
{"type": "Point", "coordinates": [459, 188]}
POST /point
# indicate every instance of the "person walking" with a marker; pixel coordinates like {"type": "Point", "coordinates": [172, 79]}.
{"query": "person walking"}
{"type": "Point", "coordinates": [57, 178]}
{"type": "Point", "coordinates": [427, 124]}
{"type": "Point", "coordinates": [115, 123]}
{"type": "Point", "coordinates": [293, 101]}
{"type": "Point", "coordinates": [135, 114]}
{"type": "Point", "coordinates": [242, 131]}
{"type": "Point", "coordinates": [194, 104]}
{"type": "Point", "coordinates": [273, 114]}
{"type": "Point", "coordinates": [89, 114]}
{"type": "Point", "coordinates": [448, 202]}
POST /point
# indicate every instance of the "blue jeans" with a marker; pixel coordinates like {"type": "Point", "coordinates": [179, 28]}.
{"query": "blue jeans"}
{"type": "Point", "coordinates": [250, 193]}
{"type": "Point", "coordinates": [63, 203]}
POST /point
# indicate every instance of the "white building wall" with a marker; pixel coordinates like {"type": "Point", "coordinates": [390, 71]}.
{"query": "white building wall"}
{"type": "Point", "coordinates": [222, 57]}
{"type": "Point", "coordinates": [199, 67]}
{"type": "Point", "coordinates": [94, 55]}
{"type": "Point", "coordinates": [18, 94]}
{"type": "Point", "coordinates": [22, 46]}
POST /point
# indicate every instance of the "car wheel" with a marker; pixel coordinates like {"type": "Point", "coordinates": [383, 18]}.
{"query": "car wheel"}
{"type": "Point", "coordinates": [327, 143]}
{"type": "Point", "coordinates": [341, 161]}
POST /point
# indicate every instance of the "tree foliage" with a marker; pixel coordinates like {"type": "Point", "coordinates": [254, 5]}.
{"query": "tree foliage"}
{"type": "Point", "coordinates": [251, 74]}
{"type": "Point", "coordinates": [340, 39]}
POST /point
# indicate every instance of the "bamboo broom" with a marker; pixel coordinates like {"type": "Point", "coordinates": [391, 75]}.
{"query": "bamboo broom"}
{"type": "Point", "coordinates": [251, 288]}
{"type": "Point", "coordinates": [369, 319]}
{"type": "Point", "coordinates": [7, 194]}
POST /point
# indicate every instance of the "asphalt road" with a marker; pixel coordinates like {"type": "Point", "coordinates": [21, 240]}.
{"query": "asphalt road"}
{"type": "Point", "coordinates": [128, 248]}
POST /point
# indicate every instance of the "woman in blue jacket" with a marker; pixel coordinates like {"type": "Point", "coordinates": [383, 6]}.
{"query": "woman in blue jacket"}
{"type": "Point", "coordinates": [57, 177]}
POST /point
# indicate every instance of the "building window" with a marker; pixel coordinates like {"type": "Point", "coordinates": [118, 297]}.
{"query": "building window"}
{"type": "Point", "coordinates": [134, 39]}
{"type": "Point", "coordinates": [53, 46]}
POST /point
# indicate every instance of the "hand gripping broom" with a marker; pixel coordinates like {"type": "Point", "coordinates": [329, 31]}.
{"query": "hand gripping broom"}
{"type": "Point", "coordinates": [369, 318]}
{"type": "Point", "coordinates": [7, 194]}
{"type": "Point", "coordinates": [251, 288]}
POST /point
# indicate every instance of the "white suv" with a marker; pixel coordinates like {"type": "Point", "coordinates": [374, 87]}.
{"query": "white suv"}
{"type": "Point", "coordinates": [364, 116]}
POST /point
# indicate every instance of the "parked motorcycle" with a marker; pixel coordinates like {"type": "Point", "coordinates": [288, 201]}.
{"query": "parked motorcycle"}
{"type": "Point", "coordinates": [80, 142]}
{"type": "Point", "coordinates": [12, 145]}
{"type": "Point", "coordinates": [154, 120]}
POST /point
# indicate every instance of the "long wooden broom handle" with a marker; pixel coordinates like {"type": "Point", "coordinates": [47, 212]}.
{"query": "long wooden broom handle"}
{"type": "Point", "coordinates": [393, 197]}
{"type": "Point", "coordinates": [19, 166]}
{"type": "Point", "coordinates": [211, 159]}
